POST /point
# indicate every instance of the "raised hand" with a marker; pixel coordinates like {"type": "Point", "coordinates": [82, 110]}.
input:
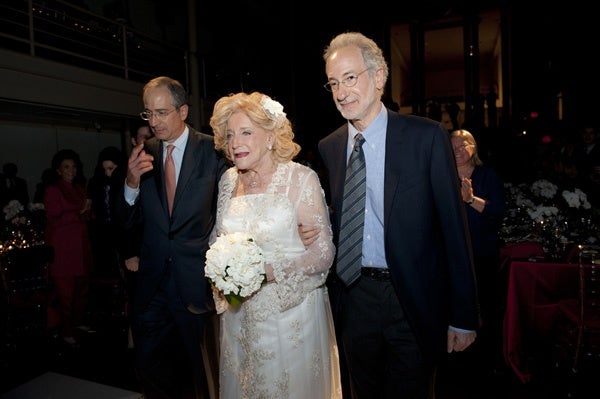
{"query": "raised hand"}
{"type": "Point", "coordinates": [139, 163]}
{"type": "Point", "coordinates": [466, 189]}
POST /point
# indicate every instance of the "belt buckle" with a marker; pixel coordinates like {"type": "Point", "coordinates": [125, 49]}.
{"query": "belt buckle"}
{"type": "Point", "coordinates": [375, 273]}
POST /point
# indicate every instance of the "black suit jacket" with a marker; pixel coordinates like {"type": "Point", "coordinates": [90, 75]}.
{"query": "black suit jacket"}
{"type": "Point", "coordinates": [181, 241]}
{"type": "Point", "coordinates": [426, 236]}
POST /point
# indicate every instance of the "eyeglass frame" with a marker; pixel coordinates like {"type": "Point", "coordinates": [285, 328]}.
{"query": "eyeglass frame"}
{"type": "Point", "coordinates": [345, 82]}
{"type": "Point", "coordinates": [161, 114]}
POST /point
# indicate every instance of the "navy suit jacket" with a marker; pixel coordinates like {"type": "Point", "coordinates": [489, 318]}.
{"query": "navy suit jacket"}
{"type": "Point", "coordinates": [178, 242]}
{"type": "Point", "coordinates": [427, 241]}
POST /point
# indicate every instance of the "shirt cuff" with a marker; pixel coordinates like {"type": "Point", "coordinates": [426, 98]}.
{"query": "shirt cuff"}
{"type": "Point", "coordinates": [131, 194]}
{"type": "Point", "coordinates": [460, 330]}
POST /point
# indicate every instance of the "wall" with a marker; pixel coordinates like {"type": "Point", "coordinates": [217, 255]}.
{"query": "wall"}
{"type": "Point", "coordinates": [36, 80]}
{"type": "Point", "coordinates": [83, 97]}
{"type": "Point", "coordinates": [31, 147]}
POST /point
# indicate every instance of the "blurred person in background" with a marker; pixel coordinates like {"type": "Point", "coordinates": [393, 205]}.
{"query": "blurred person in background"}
{"type": "Point", "coordinates": [105, 231]}
{"type": "Point", "coordinates": [482, 191]}
{"type": "Point", "coordinates": [586, 156]}
{"type": "Point", "coordinates": [67, 216]}
{"type": "Point", "coordinates": [12, 187]}
{"type": "Point", "coordinates": [131, 248]}
{"type": "Point", "coordinates": [130, 251]}
{"type": "Point", "coordinates": [141, 134]}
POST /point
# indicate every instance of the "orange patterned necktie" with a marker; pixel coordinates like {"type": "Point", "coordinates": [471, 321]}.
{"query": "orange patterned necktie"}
{"type": "Point", "coordinates": [170, 180]}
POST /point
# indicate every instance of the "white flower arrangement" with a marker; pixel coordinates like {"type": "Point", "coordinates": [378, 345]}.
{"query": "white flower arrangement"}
{"type": "Point", "coordinates": [576, 199]}
{"type": "Point", "coordinates": [273, 109]}
{"type": "Point", "coordinates": [542, 212]}
{"type": "Point", "coordinates": [538, 210]}
{"type": "Point", "coordinates": [544, 188]}
{"type": "Point", "coordinates": [235, 266]}
{"type": "Point", "coordinates": [12, 209]}
{"type": "Point", "coordinates": [23, 227]}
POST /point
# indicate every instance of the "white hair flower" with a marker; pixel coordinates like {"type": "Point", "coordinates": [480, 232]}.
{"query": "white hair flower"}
{"type": "Point", "coordinates": [273, 109]}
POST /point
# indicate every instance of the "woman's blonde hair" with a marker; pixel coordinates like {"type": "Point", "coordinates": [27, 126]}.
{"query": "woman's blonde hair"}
{"type": "Point", "coordinates": [262, 111]}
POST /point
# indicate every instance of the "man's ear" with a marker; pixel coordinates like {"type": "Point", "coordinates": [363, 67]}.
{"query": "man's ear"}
{"type": "Point", "coordinates": [183, 111]}
{"type": "Point", "coordinates": [379, 79]}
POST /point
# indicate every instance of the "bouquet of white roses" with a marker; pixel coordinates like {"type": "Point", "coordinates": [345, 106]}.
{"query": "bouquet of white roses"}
{"type": "Point", "coordinates": [235, 266]}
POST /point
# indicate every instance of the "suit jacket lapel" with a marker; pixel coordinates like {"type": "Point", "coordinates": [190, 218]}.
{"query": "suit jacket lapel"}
{"type": "Point", "coordinates": [155, 147]}
{"type": "Point", "coordinates": [393, 150]}
{"type": "Point", "coordinates": [338, 175]}
{"type": "Point", "coordinates": [187, 166]}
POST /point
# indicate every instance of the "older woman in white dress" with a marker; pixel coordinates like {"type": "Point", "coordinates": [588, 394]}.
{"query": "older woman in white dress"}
{"type": "Point", "coordinates": [279, 343]}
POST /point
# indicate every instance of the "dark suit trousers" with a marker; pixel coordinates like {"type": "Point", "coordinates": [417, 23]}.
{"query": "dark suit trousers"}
{"type": "Point", "coordinates": [382, 355]}
{"type": "Point", "coordinates": [168, 339]}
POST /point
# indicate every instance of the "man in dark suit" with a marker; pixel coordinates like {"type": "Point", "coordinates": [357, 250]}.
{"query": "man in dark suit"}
{"type": "Point", "coordinates": [173, 301]}
{"type": "Point", "coordinates": [12, 187]}
{"type": "Point", "coordinates": [130, 250]}
{"type": "Point", "coordinates": [586, 156]}
{"type": "Point", "coordinates": [412, 297]}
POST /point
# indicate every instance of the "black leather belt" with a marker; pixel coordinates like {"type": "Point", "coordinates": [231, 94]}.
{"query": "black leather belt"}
{"type": "Point", "coordinates": [375, 273]}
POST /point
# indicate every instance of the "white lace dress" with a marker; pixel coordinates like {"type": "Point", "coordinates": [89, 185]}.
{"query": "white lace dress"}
{"type": "Point", "coordinates": [280, 343]}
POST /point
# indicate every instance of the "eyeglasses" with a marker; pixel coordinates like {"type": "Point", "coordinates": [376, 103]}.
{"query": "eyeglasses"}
{"type": "Point", "coordinates": [349, 81]}
{"type": "Point", "coordinates": [461, 147]}
{"type": "Point", "coordinates": [162, 114]}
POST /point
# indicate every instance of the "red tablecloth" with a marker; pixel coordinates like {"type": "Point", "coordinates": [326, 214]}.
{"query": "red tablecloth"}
{"type": "Point", "coordinates": [534, 290]}
{"type": "Point", "coordinates": [519, 250]}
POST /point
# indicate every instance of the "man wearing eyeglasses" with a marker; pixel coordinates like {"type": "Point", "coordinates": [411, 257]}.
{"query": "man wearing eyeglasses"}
{"type": "Point", "coordinates": [406, 291]}
{"type": "Point", "coordinates": [173, 300]}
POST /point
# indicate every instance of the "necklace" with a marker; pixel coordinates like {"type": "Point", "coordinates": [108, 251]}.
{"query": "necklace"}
{"type": "Point", "coordinates": [259, 180]}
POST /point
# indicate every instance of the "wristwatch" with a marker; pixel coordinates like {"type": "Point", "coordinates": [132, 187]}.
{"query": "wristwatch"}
{"type": "Point", "coordinates": [471, 200]}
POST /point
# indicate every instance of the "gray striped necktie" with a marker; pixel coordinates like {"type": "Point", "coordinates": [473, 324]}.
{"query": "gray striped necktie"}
{"type": "Point", "coordinates": [353, 215]}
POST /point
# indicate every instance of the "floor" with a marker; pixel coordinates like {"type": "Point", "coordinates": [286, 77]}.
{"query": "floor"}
{"type": "Point", "coordinates": [101, 362]}
{"type": "Point", "coordinates": [33, 365]}
{"type": "Point", "coordinates": [54, 385]}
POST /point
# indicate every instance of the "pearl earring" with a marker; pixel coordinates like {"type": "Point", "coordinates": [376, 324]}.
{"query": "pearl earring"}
{"type": "Point", "coordinates": [270, 147]}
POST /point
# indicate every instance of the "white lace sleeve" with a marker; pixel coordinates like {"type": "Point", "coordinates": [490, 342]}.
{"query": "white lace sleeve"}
{"type": "Point", "coordinates": [225, 187]}
{"type": "Point", "coordinates": [299, 275]}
